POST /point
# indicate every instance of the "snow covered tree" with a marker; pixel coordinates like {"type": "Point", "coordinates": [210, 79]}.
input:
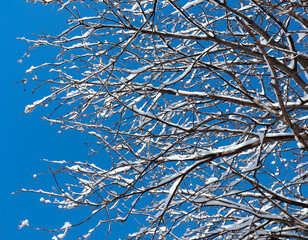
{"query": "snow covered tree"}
{"type": "Point", "coordinates": [202, 106]}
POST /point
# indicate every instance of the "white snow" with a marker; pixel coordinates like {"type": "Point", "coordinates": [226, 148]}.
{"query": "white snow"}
{"type": "Point", "coordinates": [66, 225]}
{"type": "Point", "coordinates": [183, 75]}
{"type": "Point", "coordinates": [300, 145]}
{"type": "Point", "coordinates": [211, 180]}
{"type": "Point", "coordinates": [304, 211]}
{"type": "Point", "coordinates": [172, 191]}
{"type": "Point", "coordinates": [192, 3]}
{"type": "Point", "coordinates": [301, 36]}
{"type": "Point", "coordinates": [29, 108]}
{"type": "Point", "coordinates": [85, 35]}
{"type": "Point", "coordinates": [30, 69]}
{"type": "Point", "coordinates": [239, 224]}
{"type": "Point", "coordinates": [163, 229]}
{"type": "Point", "coordinates": [23, 224]}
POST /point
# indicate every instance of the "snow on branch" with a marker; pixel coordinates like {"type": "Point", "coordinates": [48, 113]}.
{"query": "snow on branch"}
{"type": "Point", "coordinates": [198, 110]}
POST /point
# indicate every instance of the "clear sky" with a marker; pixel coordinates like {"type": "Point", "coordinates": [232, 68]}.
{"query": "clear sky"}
{"type": "Point", "coordinates": [26, 139]}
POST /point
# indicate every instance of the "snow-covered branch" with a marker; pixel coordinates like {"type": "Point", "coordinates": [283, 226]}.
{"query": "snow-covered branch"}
{"type": "Point", "coordinates": [202, 106]}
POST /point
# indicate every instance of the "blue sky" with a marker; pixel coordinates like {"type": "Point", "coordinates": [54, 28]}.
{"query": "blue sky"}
{"type": "Point", "coordinates": [26, 139]}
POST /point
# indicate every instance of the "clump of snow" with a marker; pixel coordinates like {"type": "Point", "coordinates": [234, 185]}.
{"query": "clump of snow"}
{"type": "Point", "coordinates": [30, 69]}
{"type": "Point", "coordinates": [66, 225]}
{"type": "Point", "coordinates": [193, 3]}
{"type": "Point", "coordinates": [304, 212]}
{"type": "Point", "coordinates": [23, 224]}
{"type": "Point", "coordinates": [163, 229]}
{"type": "Point", "coordinates": [29, 108]}
{"type": "Point", "coordinates": [44, 200]}
{"type": "Point", "coordinates": [211, 180]}
{"type": "Point", "coordinates": [301, 36]}
{"type": "Point", "coordinates": [300, 145]}
{"type": "Point", "coordinates": [42, 1]}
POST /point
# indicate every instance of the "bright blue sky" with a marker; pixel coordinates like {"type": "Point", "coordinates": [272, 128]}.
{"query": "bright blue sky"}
{"type": "Point", "coordinates": [25, 138]}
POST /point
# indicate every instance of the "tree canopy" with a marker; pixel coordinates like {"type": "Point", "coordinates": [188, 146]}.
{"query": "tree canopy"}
{"type": "Point", "coordinates": [201, 105]}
